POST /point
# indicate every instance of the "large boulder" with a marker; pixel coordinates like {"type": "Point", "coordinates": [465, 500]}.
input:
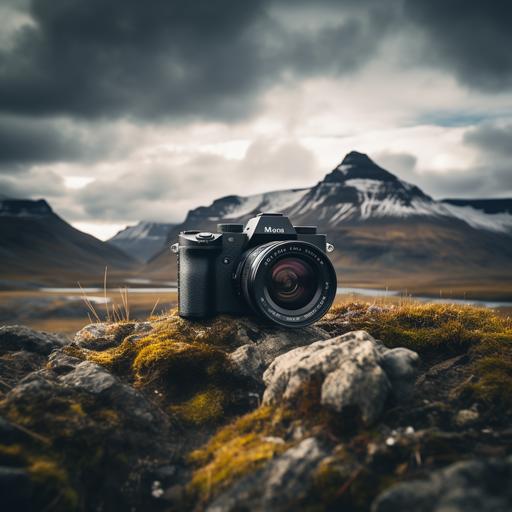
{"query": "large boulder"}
{"type": "Point", "coordinates": [354, 370]}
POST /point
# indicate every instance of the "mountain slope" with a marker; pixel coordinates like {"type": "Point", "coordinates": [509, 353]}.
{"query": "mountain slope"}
{"type": "Point", "coordinates": [38, 246]}
{"type": "Point", "coordinates": [387, 232]}
{"type": "Point", "coordinates": [143, 240]}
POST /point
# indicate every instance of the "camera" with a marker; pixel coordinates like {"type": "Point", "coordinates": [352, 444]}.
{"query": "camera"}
{"type": "Point", "coordinates": [269, 268]}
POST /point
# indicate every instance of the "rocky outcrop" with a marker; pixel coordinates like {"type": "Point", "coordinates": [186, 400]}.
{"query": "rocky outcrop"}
{"type": "Point", "coordinates": [228, 415]}
{"type": "Point", "coordinates": [354, 370]}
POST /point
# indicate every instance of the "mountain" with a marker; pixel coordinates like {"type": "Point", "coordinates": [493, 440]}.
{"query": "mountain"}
{"type": "Point", "coordinates": [386, 231]}
{"type": "Point", "coordinates": [39, 247]}
{"type": "Point", "coordinates": [143, 240]}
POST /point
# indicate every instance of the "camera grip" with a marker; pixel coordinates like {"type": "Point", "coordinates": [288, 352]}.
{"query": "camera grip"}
{"type": "Point", "coordinates": [196, 282]}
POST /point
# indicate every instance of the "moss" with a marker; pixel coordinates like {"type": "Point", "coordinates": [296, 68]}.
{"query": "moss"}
{"type": "Point", "coordinates": [421, 327]}
{"type": "Point", "coordinates": [204, 407]}
{"type": "Point", "coordinates": [181, 364]}
{"type": "Point", "coordinates": [53, 487]}
{"type": "Point", "coordinates": [238, 449]}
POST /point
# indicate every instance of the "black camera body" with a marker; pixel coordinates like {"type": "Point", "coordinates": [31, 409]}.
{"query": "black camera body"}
{"type": "Point", "coordinates": [268, 267]}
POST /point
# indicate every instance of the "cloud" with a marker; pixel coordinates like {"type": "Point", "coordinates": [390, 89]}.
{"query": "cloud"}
{"type": "Point", "coordinates": [469, 38]}
{"type": "Point", "coordinates": [35, 183]}
{"type": "Point", "coordinates": [495, 140]}
{"type": "Point", "coordinates": [173, 184]}
{"type": "Point", "coordinates": [174, 58]}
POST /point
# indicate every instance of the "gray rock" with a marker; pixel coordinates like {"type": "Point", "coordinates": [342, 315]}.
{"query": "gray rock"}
{"type": "Point", "coordinates": [469, 486]}
{"type": "Point", "coordinates": [100, 336]}
{"type": "Point", "coordinates": [282, 481]}
{"type": "Point", "coordinates": [401, 366]}
{"type": "Point", "coordinates": [62, 363]}
{"type": "Point", "coordinates": [90, 377]}
{"type": "Point", "coordinates": [248, 362]}
{"type": "Point", "coordinates": [365, 387]}
{"type": "Point", "coordinates": [351, 368]}
{"type": "Point", "coordinates": [14, 338]}
{"type": "Point", "coordinates": [262, 344]}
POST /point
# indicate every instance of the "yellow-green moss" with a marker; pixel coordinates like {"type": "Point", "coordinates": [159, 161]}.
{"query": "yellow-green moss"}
{"type": "Point", "coordinates": [204, 407]}
{"type": "Point", "coordinates": [182, 364]}
{"type": "Point", "coordinates": [423, 327]}
{"type": "Point", "coordinates": [52, 484]}
{"type": "Point", "coordinates": [238, 449]}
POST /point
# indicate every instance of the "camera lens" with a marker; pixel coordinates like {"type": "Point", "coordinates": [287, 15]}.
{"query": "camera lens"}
{"type": "Point", "coordinates": [291, 282]}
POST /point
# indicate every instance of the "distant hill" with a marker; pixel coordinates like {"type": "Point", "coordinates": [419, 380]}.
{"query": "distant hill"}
{"type": "Point", "coordinates": [387, 232]}
{"type": "Point", "coordinates": [37, 246]}
{"type": "Point", "coordinates": [143, 240]}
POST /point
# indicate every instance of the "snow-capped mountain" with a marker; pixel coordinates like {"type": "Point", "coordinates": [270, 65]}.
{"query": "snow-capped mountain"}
{"type": "Point", "coordinates": [385, 229]}
{"type": "Point", "coordinates": [142, 240]}
{"type": "Point", "coordinates": [356, 191]}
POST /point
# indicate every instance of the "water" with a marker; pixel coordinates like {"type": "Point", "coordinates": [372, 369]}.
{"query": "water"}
{"type": "Point", "coordinates": [364, 292]}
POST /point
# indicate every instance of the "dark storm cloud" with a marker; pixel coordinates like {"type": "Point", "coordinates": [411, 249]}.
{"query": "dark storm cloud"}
{"type": "Point", "coordinates": [469, 38]}
{"type": "Point", "coordinates": [24, 141]}
{"type": "Point", "coordinates": [172, 57]}
{"type": "Point", "coordinates": [175, 58]}
{"type": "Point", "coordinates": [27, 140]}
{"type": "Point", "coordinates": [495, 141]}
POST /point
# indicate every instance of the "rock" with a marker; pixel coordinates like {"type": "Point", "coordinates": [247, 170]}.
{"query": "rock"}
{"type": "Point", "coordinates": [355, 370]}
{"type": "Point", "coordinates": [466, 417]}
{"type": "Point", "coordinates": [14, 338]}
{"type": "Point", "coordinates": [100, 336]}
{"type": "Point", "coordinates": [262, 344]}
{"type": "Point", "coordinates": [62, 363]}
{"type": "Point", "coordinates": [282, 481]}
{"type": "Point", "coordinates": [248, 362]}
{"type": "Point", "coordinates": [470, 486]}
{"type": "Point", "coordinates": [89, 377]}
{"type": "Point", "coordinates": [95, 380]}
{"type": "Point", "coordinates": [401, 367]}
{"type": "Point", "coordinates": [365, 387]}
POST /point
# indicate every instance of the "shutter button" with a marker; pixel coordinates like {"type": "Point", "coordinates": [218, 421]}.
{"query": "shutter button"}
{"type": "Point", "coordinates": [205, 235]}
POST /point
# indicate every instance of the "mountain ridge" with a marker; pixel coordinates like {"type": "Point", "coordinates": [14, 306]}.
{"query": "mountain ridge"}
{"type": "Point", "coordinates": [40, 247]}
{"type": "Point", "coordinates": [388, 232]}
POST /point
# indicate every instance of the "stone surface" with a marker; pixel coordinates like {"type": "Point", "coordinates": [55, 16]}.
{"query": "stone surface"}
{"type": "Point", "coordinates": [262, 344]}
{"type": "Point", "coordinates": [355, 370]}
{"type": "Point", "coordinates": [282, 481]}
{"type": "Point", "coordinates": [100, 336]}
{"type": "Point", "coordinates": [471, 486]}
{"type": "Point", "coordinates": [14, 338]}
{"type": "Point", "coordinates": [89, 377]}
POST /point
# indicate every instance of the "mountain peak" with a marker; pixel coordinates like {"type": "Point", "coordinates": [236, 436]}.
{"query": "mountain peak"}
{"type": "Point", "coordinates": [357, 165]}
{"type": "Point", "coordinates": [24, 208]}
{"type": "Point", "coordinates": [356, 158]}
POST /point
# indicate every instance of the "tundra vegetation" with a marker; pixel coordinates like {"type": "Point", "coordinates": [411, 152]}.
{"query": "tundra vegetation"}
{"type": "Point", "coordinates": [161, 415]}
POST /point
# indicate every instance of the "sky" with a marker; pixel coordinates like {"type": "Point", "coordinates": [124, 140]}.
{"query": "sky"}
{"type": "Point", "coordinates": [117, 111]}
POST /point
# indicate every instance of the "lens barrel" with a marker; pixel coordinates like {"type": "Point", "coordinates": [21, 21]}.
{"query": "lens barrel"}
{"type": "Point", "coordinates": [291, 283]}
